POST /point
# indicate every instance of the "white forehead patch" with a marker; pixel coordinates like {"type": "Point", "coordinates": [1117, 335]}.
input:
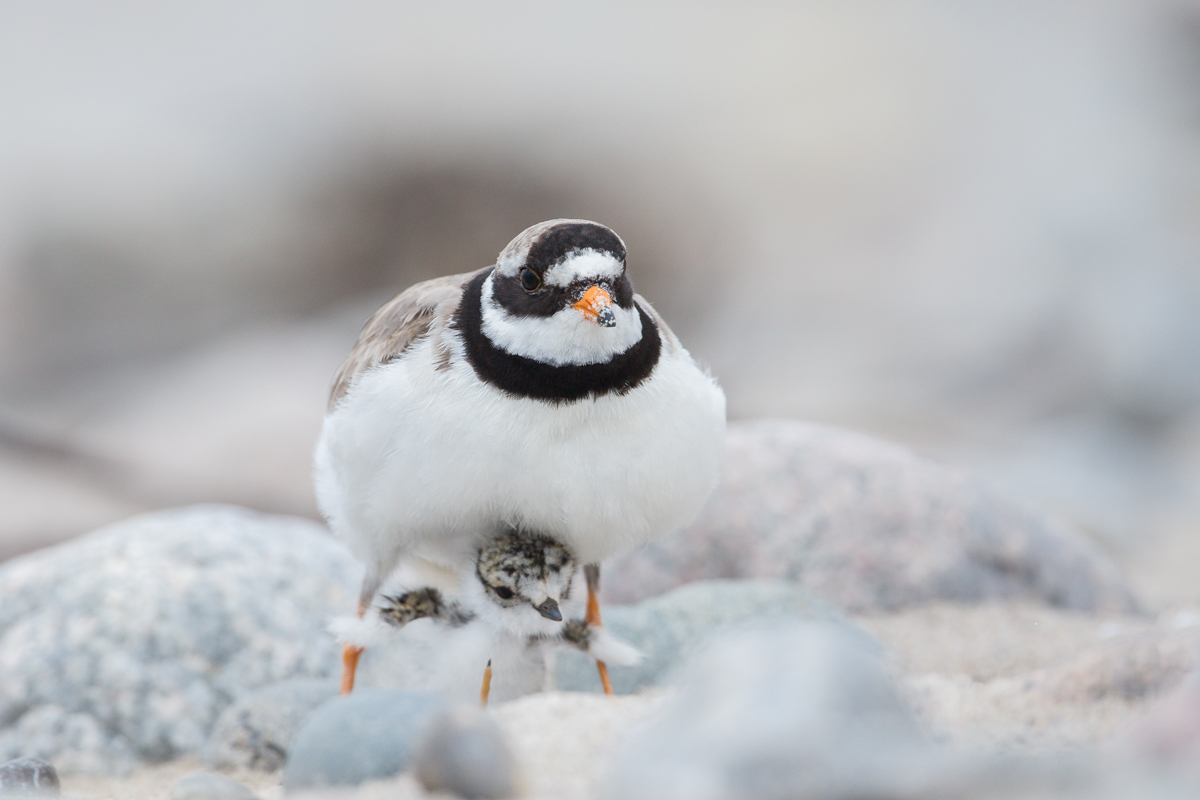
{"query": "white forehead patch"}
{"type": "Point", "coordinates": [583, 265]}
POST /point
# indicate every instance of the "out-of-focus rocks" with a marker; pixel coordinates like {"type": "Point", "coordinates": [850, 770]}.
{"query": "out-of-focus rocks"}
{"type": "Point", "coordinates": [868, 525]}
{"type": "Point", "coordinates": [1170, 731]}
{"type": "Point", "coordinates": [806, 710]}
{"type": "Point", "coordinates": [368, 735]}
{"type": "Point", "coordinates": [785, 710]}
{"type": "Point", "coordinates": [124, 646]}
{"type": "Point", "coordinates": [28, 776]}
{"type": "Point", "coordinates": [1129, 668]}
{"type": "Point", "coordinates": [201, 785]}
{"type": "Point", "coordinates": [256, 730]}
{"type": "Point", "coordinates": [464, 752]}
{"type": "Point", "coordinates": [669, 628]}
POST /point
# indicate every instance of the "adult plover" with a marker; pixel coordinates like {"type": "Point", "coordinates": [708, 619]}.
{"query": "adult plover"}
{"type": "Point", "coordinates": [506, 611]}
{"type": "Point", "coordinates": [540, 393]}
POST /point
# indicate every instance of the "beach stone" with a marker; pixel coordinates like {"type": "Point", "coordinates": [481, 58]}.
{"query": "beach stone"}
{"type": "Point", "coordinates": [782, 709]}
{"type": "Point", "coordinates": [368, 735]}
{"type": "Point", "coordinates": [868, 525]}
{"type": "Point", "coordinates": [669, 628]}
{"type": "Point", "coordinates": [28, 776]}
{"type": "Point", "coordinates": [257, 728]}
{"type": "Point", "coordinates": [125, 645]}
{"type": "Point", "coordinates": [464, 752]}
{"type": "Point", "coordinates": [201, 785]}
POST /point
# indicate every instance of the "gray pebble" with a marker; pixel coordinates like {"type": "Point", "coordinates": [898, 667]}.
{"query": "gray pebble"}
{"type": "Point", "coordinates": [464, 752]}
{"type": "Point", "coordinates": [669, 628]}
{"type": "Point", "coordinates": [28, 776]}
{"type": "Point", "coordinates": [257, 729]}
{"type": "Point", "coordinates": [370, 734]}
{"type": "Point", "coordinates": [201, 785]}
{"type": "Point", "coordinates": [868, 525]}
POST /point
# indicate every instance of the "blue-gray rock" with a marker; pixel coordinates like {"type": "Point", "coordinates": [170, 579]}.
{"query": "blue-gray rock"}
{"type": "Point", "coordinates": [808, 711]}
{"type": "Point", "coordinates": [125, 645]}
{"type": "Point", "coordinates": [668, 628]}
{"type": "Point", "coordinates": [777, 710]}
{"type": "Point", "coordinates": [257, 729]}
{"type": "Point", "coordinates": [201, 785]}
{"type": "Point", "coordinates": [28, 776]}
{"type": "Point", "coordinates": [868, 525]}
{"type": "Point", "coordinates": [368, 735]}
{"type": "Point", "coordinates": [464, 752]}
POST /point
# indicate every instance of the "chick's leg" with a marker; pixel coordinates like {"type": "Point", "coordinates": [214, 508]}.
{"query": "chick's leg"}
{"type": "Point", "coordinates": [350, 652]}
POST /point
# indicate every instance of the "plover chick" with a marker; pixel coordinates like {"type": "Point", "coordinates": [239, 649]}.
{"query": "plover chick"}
{"type": "Point", "coordinates": [509, 608]}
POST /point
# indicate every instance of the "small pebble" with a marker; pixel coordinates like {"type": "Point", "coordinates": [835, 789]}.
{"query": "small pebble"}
{"type": "Point", "coordinates": [464, 752]}
{"type": "Point", "coordinates": [201, 785]}
{"type": "Point", "coordinates": [370, 735]}
{"type": "Point", "coordinates": [26, 776]}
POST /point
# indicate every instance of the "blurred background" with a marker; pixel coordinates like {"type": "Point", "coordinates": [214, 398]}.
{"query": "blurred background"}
{"type": "Point", "coordinates": [968, 227]}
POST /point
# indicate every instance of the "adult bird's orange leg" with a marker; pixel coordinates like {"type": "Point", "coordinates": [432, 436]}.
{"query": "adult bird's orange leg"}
{"type": "Point", "coordinates": [350, 654]}
{"type": "Point", "coordinates": [591, 572]}
{"type": "Point", "coordinates": [487, 685]}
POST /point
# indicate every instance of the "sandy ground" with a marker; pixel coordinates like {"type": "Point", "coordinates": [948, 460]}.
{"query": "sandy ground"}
{"type": "Point", "coordinates": [960, 665]}
{"type": "Point", "coordinates": [964, 669]}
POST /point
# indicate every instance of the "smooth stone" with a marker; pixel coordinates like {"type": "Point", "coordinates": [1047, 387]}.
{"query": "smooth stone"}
{"type": "Point", "coordinates": [868, 525]}
{"type": "Point", "coordinates": [464, 752]}
{"type": "Point", "coordinates": [202, 785]}
{"type": "Point", "coordinates": [1169, 733]}
{"type": "Point", "coordinates": [28, 776]}
{"type": "Point", "coordinates": [778, 709]}
{"type": "Point", "coordinates": [669, 628]}
{"type": "Point", "coordinates": [256, 731]}
{"type": "Point", "coordinates": [369, 735]}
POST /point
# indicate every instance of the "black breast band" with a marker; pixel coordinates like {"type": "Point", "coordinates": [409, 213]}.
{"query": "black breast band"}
{"type": "Point", "coordinates": [565, 383]}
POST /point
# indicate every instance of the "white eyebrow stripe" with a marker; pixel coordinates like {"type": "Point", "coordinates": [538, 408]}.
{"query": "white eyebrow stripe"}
{"type": "Point", "coordinates": [583, 264]}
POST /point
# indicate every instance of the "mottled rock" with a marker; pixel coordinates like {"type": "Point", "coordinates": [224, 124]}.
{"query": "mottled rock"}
{"type": "Point", "coordinates": [464, 752]}
{"type": "Point", "coordinates": [125, 645]}
{"type": "Point", "coordinates": [256, 730]}
{"type": "Point", "coordinates": [780, 710]}
{"type": "Point", "coordinates": [28, 776]}
{"type": "Point", "coordinates": [368, 735]}
{"type": "Point", "coordinates": [1130, 667]}
{"type": "Point", "coordinates": [201, 785]}
{"type": "Point", "coordinates": [868, 525]}
{"type": "Point", "coordinates": [669, 628]}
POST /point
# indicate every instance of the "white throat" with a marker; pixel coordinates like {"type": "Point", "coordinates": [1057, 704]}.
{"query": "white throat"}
{"type": "Point", "coordinates": [564, 338]}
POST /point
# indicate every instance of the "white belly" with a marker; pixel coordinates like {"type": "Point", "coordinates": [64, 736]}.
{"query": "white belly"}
{"type": "Point", "coordinates": [417, 460]}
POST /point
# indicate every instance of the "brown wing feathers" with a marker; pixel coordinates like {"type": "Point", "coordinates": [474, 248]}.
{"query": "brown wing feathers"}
{"type": "Point", "coordinates": [394, 328]}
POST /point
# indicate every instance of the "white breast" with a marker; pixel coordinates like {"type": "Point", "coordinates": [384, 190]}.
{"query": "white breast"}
{"type": "Point", "coordinates": [417, 460]}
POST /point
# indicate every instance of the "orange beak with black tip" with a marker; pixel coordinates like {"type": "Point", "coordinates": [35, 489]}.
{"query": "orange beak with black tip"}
{"type": "Point", "coordinates": [596, 305]}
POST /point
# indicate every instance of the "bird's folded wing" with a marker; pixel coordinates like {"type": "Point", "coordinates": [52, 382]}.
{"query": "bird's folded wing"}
{"type": "Point", "coordinates": [420, 309]}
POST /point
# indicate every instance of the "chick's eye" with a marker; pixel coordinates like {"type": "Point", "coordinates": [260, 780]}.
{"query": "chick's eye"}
{"type": "Point", "coordinates": [530, 281]}
{"type": "Point", "coordinates": [504, 592]}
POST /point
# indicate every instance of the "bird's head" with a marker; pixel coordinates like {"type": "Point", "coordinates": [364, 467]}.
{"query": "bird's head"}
{"type": "Point", "coordinates": [525, 577]}
{"type": "Point", "coordinates": [560, 294]}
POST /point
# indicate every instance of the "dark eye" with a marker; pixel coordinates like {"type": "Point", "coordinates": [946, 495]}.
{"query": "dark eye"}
{"type": "Point", "coordinates": [530, 281]}
{"type": "Point", "coordinates": [504, 592]}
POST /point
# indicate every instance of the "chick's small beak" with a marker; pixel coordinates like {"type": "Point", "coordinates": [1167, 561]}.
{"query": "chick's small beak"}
{"type": "Point", "coordinates": [548, 608]}
{"type": "Point", "coordinates": [596, 305]}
